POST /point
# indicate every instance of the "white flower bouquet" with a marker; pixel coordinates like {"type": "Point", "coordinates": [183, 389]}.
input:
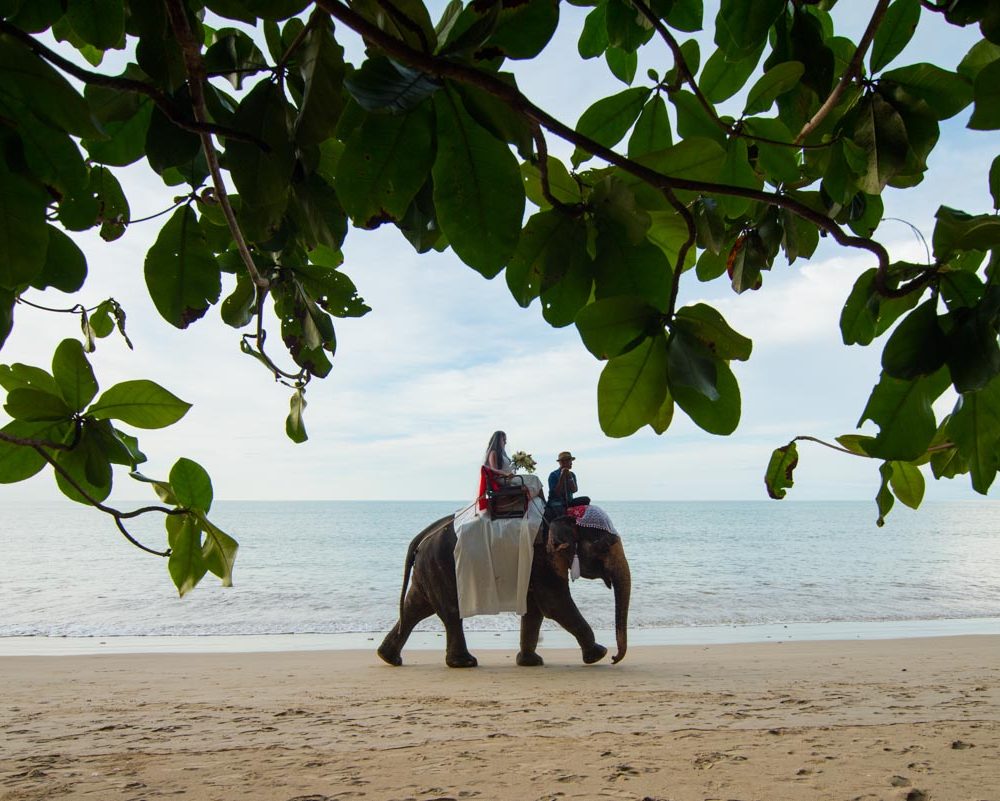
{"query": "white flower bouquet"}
{"type": "Point", "coordinates": [523, 461]}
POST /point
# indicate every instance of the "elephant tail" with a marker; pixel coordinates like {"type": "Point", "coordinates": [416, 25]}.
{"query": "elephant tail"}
{"type": "Point", "coordinates": [411, 557]}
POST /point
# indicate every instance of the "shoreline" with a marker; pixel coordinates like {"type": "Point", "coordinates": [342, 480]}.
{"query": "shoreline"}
{"type": "Point", "coordinates": [42, 645]}
{"type": "Point", "coordinates": [895, 720]}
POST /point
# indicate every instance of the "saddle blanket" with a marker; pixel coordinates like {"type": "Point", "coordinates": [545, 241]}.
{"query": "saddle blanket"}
{"type": "Point", "coordinates": [493, 561]}
{"type": "Point", "coordinates": [591, 516]}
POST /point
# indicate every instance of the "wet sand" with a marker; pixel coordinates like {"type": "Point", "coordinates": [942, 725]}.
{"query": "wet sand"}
{"type": "Point", "coordinates": [903, 720]}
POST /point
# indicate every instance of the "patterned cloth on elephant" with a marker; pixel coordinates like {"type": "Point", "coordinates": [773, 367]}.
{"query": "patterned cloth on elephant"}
{"type": "Point", "coordinates": [591, 516]}
{"type": "Point", "coordinates": [493, 561]}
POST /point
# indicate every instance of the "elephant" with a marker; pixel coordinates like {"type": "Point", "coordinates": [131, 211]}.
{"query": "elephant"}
{"type": "Point", "coordinates": [431, 560]}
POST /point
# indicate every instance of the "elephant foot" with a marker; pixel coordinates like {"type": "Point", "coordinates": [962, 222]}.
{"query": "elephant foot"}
{"type": "Point", "coordinates": [389, 655]}
{"type": "Point", "coordinates": [594, 653]}
{"type": "Point", "coordinates": [465, 660]}
{"type": "Point", "coordinates": [529, 660]}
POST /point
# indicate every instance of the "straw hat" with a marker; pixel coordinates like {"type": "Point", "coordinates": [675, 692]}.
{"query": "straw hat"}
{"type": "Point", "coordinates": [565, 455]}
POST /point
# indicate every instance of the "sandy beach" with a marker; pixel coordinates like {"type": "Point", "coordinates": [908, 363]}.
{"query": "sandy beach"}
{"type": "Point", "coordinates": [914, 719]}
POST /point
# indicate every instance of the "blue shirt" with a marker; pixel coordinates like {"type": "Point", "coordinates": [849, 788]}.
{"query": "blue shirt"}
{"type": "Point", "coordinates": [564, 495]}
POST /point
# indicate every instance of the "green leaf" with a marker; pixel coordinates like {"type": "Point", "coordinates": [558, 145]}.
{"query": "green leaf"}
{"type": "Point", "coordinates": [624, 268]}
{"type": "Point", "coordinates": [917, 346]}
{"type": "Point", "coordinates": [632, 388]}
{"type": "Point", "coordinates": [322, 68]}
{"type": "Point", "coordinates": [85, 474]}
{"type": "Point", "coordinates": [191, 485]}
{"type": "Point", "coordinates": [382, 85]}
{"type": "Point", "coordinates": [956, 230]}
{"type": "Point", "coordinates": [23, 232]}
{"type": "Point", "coordinates": [719, 416]}
{"type": "Point", "coordinates": [691, 367]}
{"type": "Point", "coordinates": [607, 120]}
{"type": "Point", "coordinates": [946, 93]}
{"type": "Point", "coordinates": [884, 499]}
{"type": "Point", "coordinates": [295, 426]}
{"type": "Point", "coordinates": [239, 308]}
{"type": "Point", "coordinates": [45, 91]}
{"type": "Point", "coordinates": [973, 353]}
{"type": "Point", "coordinates": [772, 84]}
{"type": "Point", "coordinates": [98, 22]}
{"type": "Point", "coordinates": [497, 117]}
{"type": "Point", "coordinates": [477, 189]}
{"type": "Point", "coordinates": [894, 33]}
{"type": "Point", "coordinates": [881, 133]}
{"type": "Point", "coordinates": [736, 171]}
{"type": "Point", "coordinates": [562, 185]}
{"type": "Point", "coordinates": [36, 405]}
{"type": "Point", "coordinates": [622, 64]}
{"type": "Point", "coordinates": [182, 274]}
{"type": "Point", "coordinates": [975, 428]}
{"type": "Point", "coordinates": [16, 376]}
{"type": "Point", "coordinates": [168, 145]}
{"type": "Point", "coordinates": [907, 483]}
{"type": "Point", "coordinates": [523, 29]}
{"type": "Point", "coordinates": [986, 93]}
{"type": "Point", "coordinates": [612, 326]}
{"type": "Point", "coordinates": [161, 488]}
{"type": "Point", "coordinates": [74, 375]}
{"type": "Point", "coordinates": [141, 403]}
{"type": "Point", "coordinates": [981, 54]}
{"type": "Point", "coordinates": [563, 300]}
{"type": "Point", "coordinates": [652, 129]}
{"type": "Point", "coordinates": [233, 55]}
{"type": "Point", "coordinates": [21, 462]}
{"type": "Point", "coordinates": [386, 161]}
{"type": "Point", "coordinates": [722, 78]}
{"type": "Point", "coordinates": [707, 325]}
{"type": "Point", "coordinates": [695, 158]}
{"type": "Point", "coordinates": [685, 15]}
{"type": "Point", "coordinates": [664, 415]}
{"type": "Point", "coordinates": [262, 177]}
{"type": "Point", "coordinates": [626, 28]}
{"type": "Point", "coordinates": [594, 36]}
{"type": "Point", "coordinates": [694, 121]}
{"type": "Point", "coordinates": [7, 303]}
{"type": "Point", "coordinates": [903, 412]}
{"type": "Point", "coordinates": [551, 243]}
{"type": "Point", "coordinates": [218, 551]}
{"type": "Point", "coordinates": [741, 27]}
{"type": "Point", "coordinates": [995, 182]}
{"type": "Point", "coordinates": [65, 266]}
{"type": "Point", "coordinates": [778, 477]}
{"type": "Point", "coordinates": [186, 563]}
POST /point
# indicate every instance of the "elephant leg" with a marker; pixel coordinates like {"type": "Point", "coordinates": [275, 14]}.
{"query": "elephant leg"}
{"type": "Point", "coordinates": [531, 624]}
{"type": "Point", "coordinates": [456, 651]}
{"type": "Point", "coordinates": [569, 617]}
{"type": "Point", "coordinates": [416, 607]}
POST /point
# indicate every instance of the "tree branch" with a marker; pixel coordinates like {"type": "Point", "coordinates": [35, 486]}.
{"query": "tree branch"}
{"type": "Point", "coordinates": [851, 73]}
{"type": "Point", "coordinates": [161, 99]}
{"type": "Point", "coordinates": [443, 68]}
{"type": "Point", "coordinates": [115, 513]}
{"type": "Point", "coordinates": [196, 78]}
{"type": "Point", "coordinates": [680, 63]}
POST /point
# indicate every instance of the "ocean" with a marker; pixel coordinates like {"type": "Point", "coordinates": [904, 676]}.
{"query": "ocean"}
{"type": "Point", "coordinates": [329, 573]}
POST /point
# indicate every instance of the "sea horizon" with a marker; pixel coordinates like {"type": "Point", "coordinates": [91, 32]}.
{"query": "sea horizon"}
{"type": "Point", "coordinates": [326, 575]}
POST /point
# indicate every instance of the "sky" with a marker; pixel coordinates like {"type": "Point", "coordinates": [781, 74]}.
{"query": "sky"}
{"type": "Point", "coordinates": [447, 357]}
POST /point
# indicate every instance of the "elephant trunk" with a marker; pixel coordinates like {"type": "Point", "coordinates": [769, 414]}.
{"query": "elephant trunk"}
{"type": "Point", "coordinates": [621, 582]}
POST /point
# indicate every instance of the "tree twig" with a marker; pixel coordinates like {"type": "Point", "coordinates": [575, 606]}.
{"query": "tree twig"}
{"type": "Point", "coordinates": [161, 99]}
{"type": "Point", "coordinates": [680, 63]}
{"type": "Point", "coordinates": [850, 74]}
{"type": "Point", "coordinates": [115, 513]}
{"type": "Point", "coordinates": [196, 77]}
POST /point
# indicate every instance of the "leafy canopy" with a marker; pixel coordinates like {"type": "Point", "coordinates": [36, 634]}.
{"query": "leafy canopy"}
{"type": "Point", "coordinates": [274, 147]}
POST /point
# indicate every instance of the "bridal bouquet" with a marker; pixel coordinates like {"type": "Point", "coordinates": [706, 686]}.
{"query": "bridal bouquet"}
{"type": "Point", "coordinates": [523, 461]}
